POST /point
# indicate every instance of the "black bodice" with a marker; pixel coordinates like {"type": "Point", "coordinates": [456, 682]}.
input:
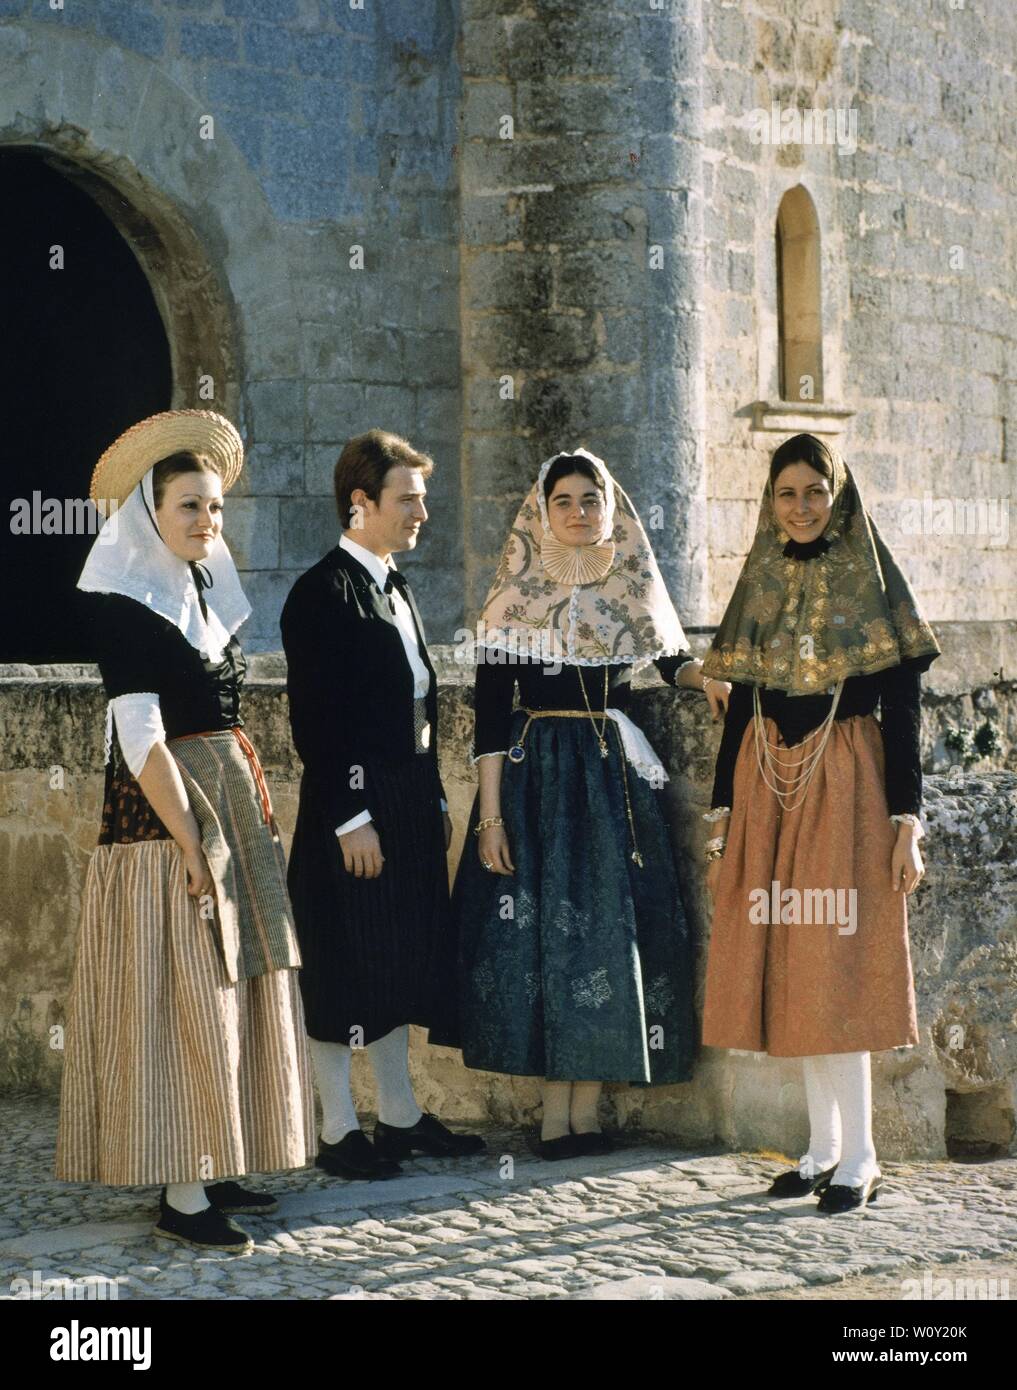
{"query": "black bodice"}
{"type": "Point", "coordinates": [136, 650]}
{"type": "Point", "coordinates": [540, 689]}
{"type": "Point", "coordinates": [896, 691]}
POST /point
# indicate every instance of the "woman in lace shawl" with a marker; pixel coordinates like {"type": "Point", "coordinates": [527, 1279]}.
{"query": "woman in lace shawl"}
{"type": "Point", "coordinates": [576, 956]}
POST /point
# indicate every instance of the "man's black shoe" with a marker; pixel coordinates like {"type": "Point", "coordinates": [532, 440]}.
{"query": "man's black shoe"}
{"type": "Point", "coordinates": [594, 1141]}
{"type": "Point", "coordinates": [565, 1146]}
{"type": "Point", "coordinates": [427, 1136]}
{"type": "Point", "coordinates": [355, 1157]}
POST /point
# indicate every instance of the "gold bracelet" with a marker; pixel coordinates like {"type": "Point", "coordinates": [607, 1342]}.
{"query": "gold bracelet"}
{"type": "Point", "coordinates": [488, 820]}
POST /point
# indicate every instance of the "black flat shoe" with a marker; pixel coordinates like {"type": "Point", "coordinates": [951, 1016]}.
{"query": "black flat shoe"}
{"type": "Point", "coordinates": [838, 1197]}
{"type": "Point", "coordinates": [568, 1146]}
{"type": "Point", "coordinates": [205, 1230]}
{"type": "Point", "coordinates": [355, 1157]}
{"type": "Point", "coordinates": [234, 1200]}
{"type": "Point", "coordinates": [427, 1136]}
{"type": "Point", "coordinates": [792, 1184]}
{"type": "Point", "coordinates": [592, 1141]}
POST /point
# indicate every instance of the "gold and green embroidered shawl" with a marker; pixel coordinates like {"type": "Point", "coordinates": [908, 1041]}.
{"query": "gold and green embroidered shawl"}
{"type": "Point", "coordinates": [801, 625]}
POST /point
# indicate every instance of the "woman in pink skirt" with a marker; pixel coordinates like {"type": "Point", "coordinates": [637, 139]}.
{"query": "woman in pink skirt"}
{"type": "Point", "coordinates": [815, 810]}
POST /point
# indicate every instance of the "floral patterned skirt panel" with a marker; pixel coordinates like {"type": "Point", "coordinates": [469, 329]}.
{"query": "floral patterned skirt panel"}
{"type": "Point", "coordinates": [580, 965]}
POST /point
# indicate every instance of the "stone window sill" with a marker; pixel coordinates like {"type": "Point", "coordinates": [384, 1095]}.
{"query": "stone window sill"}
{"type": "Point", "coordinates": [800, 417]}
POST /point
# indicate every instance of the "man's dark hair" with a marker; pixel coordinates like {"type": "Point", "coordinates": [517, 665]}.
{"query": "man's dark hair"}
{"type": "Point", "coordinates": [365, 462]}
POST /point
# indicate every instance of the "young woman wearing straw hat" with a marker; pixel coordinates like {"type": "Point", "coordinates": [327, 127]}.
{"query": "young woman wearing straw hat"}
{"type": "Point", "coordinates": [816, 810]}
{"type": "Point", "coordinates": [185, 1056]}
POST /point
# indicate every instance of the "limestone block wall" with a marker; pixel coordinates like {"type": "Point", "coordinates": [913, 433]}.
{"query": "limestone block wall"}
{"type": "Point", "coordinates": [918, 229]}
{"type": "Point", "coordinates": [364, 243]}
{"type": "Point", "coordinates": [304, 257]}
{"type": "Point", "coordinates": [581, 238]}
{"type": "Point", "coordinates": [958, 1086]}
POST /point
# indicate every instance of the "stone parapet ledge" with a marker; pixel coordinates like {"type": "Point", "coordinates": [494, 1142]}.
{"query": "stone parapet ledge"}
{"type": "Point", "coordinates": [975, 681]}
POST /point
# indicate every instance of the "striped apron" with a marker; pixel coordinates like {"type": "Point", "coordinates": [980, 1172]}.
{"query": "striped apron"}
{"type": "Point", "coordinates": [185, 1051]}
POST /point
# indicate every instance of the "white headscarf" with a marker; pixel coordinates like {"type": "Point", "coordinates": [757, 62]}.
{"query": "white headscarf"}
{"type": "Point", "coordinates": [130, 557]}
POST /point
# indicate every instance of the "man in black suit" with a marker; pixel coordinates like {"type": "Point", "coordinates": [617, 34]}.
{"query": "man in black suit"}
{"type": "Point", "coordinates": [367, 872]}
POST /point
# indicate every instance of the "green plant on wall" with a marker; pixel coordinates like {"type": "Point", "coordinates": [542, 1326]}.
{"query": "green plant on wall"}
{"type": "Point", "coordinates": [972, 744]}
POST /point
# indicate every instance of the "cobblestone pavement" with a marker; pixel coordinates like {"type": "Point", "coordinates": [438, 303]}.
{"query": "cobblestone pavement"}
{"type": "Point", "coordinates": [650, 1221]}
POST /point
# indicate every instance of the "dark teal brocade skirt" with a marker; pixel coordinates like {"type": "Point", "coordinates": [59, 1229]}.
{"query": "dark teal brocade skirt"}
{"type": "Point", "coordinates": [578, 967]}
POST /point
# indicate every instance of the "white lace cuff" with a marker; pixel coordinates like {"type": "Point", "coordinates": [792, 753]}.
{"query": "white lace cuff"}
{"type": "Point", "coordinates": [718, 813]}
{"type": "Point", "coordinates": [139, 726]}
{"type": "Point", "coordinates": [909, 818]}
{"type": "Point", "coordinates": [495, 753]}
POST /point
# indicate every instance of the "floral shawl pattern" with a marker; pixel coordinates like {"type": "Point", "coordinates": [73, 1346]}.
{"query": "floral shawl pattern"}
{"type": "Point", "coordinates": [802, 625]}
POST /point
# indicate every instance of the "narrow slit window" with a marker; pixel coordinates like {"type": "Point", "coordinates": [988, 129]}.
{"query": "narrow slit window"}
{"type": "Point", "coordinates": [799, 298]}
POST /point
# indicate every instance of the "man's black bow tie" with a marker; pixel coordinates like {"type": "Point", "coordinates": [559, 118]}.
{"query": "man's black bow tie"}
{"type": "Point", "coordinates": [395, 580]}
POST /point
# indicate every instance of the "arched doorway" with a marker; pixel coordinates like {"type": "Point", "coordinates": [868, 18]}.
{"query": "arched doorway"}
{"type": "Point", "coordinates": [83, 354]}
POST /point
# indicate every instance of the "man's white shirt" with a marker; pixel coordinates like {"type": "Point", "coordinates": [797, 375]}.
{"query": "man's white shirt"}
{"type": "Point", "coordinates": [379, 572]}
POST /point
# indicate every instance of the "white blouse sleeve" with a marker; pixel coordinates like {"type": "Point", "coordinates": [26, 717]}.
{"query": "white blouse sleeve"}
{"type": "Point", "coordinates": [139, 725]}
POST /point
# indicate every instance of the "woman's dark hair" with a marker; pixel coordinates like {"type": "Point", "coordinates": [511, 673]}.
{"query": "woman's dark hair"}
{"type": "Point", "coordinates": [185, 461]}
{"type": "Point", "coordinates": [365, 462]}
{"type": "Point", "coordinates": [567, 464]}
{"type": "Point", "coordinates": [802, 448]}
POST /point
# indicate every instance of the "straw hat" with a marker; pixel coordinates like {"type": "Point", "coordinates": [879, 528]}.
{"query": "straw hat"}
{"type": "Point", "coordinates": [129, 458]}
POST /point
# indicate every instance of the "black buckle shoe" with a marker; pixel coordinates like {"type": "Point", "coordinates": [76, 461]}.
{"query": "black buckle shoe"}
{"type": "Point", "coordinates": [427, 1136]}
{"type": "Point", "coordinates": [204, 1230]}
{"type": "Point", "coordinates": [792, 1184]}
{"type": "Point", "coordinates": [354, 1157]}
{"type": "Point", "coordinates": [565, 1146]}
{"type": "Point", "coordinates": [839, 1197]}
{"type": "Point", "coordinates": [234, 1200]}
{"type": "Point", "coordinates": [592, 1141]}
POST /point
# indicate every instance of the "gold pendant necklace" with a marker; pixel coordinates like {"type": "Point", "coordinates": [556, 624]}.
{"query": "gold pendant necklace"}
{"type": "Point", "coordinates": [601, 740]}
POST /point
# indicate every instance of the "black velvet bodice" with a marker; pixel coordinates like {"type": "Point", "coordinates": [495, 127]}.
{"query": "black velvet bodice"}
{"type": "Point", "coordinates": [540, 689]}
{"type": "Point", "coordinates": [136, 650]}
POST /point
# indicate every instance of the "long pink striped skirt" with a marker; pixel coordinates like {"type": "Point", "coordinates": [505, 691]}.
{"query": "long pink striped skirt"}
{"type": "Point", "coordinates": [173, 1073]}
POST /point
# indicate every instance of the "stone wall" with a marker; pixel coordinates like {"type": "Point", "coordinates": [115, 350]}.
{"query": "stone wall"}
{"type": "Point", "coordinates": [957, 1085]}
{"type": "Point", "coordinates": [918, 229]}
{"type": "Point", "coordinates": [582, 265]}
{"type": "Point", "coordinates": [334, 129]}
{"type": "Point", "coordinates": [600, 270]}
